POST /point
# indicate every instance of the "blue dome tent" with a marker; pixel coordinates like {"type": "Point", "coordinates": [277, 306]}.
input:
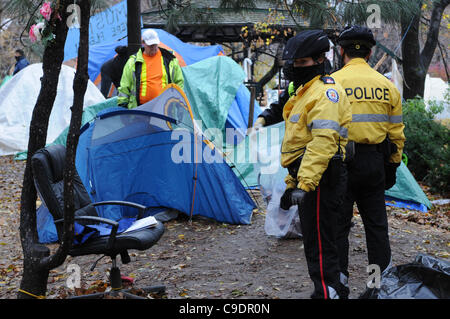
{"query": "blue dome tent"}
{"type": "Point", "coordinates": [155, 155]}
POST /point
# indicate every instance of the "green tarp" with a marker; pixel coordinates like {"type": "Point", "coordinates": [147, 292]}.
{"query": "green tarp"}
{"type": "Point", "coordinates": [407, 188]}
{"type": "Point", "coordinates": [201, 82]}
{"type": "Point", "coordinates": [259, 152]}
{"type": "Point", "coordinates": [5, 79]}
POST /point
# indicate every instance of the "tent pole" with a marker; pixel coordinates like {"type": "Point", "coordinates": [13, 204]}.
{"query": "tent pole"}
{"type": "Point", "coordinates": [252, 106]}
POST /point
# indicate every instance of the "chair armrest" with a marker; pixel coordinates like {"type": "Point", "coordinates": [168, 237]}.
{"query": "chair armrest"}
{"type": "Point", "coordinates": [140, 207]}
{"type": "Point", "coordinates": [92, 218]}
{"type": "Point", "coordinates": [114, 224]}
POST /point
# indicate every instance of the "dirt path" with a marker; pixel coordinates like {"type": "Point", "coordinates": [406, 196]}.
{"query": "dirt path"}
{"type": "Point", "coordinates": [207, 259]}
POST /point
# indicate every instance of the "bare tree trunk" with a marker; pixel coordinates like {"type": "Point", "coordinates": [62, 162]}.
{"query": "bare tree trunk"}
{"type": "Point", "coordinates": [416, 63]}
{"type": "Point", "coordinates": [34, 279]}
{"type": "Point", "coordinates": [37, 259]}
{"type": "Point", "coordinates": [414, 72]}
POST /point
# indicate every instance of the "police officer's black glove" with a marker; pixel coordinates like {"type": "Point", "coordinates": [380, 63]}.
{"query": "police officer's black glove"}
{"type": "Point", "coordinates": [292, 196]}
{"type": "Point", "coordinates": [285, 201]}
{"type": "Point", "coordinates": [298, 196]}
{"type": "Point", "coordinates": [390, 172]}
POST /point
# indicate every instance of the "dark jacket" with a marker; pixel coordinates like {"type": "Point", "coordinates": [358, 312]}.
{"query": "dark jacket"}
{"type": "Point", "coordinates": [113, 68]}
{"type": "Point", "coordinates": [274, 113]}
{"type": "Point", "coordinates": [22, 63]}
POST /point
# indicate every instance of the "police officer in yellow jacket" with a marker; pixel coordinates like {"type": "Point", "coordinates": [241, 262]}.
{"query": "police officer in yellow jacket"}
{"type": "Point", "coordinates": [317, 117]}
{"type": "Point", "coordinates": [274, 112]}
{"type": "Point", "coordinates": [377, 131]}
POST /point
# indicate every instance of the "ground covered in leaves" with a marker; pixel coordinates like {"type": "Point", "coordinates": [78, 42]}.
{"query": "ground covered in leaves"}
{"type": "Point", "coordinates": [207, 259]}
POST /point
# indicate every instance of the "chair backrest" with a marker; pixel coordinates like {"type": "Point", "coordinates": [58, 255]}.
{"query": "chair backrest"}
{"type": "Point", "coordinates": [48, 168]}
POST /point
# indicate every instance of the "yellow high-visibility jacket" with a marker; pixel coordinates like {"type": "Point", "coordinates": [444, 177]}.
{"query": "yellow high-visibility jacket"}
{"type": "Point", "coordinates": [376, 106]}
{"type": "Point", "coordinates": [317, 119]}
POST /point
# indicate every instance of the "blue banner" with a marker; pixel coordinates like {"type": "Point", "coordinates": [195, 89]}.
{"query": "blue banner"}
{"type": "Point", "coordinates": [107, 26]}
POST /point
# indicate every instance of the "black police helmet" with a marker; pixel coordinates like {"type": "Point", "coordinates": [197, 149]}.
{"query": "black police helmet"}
{"type": "Point", "coordinates": [308, 43]}
{"type": "Point", "coordinates": [356, 36]}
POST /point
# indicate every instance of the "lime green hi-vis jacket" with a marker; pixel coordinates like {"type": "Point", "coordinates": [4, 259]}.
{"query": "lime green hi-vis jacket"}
{"type": "Point", "coordinates": [129, 88]}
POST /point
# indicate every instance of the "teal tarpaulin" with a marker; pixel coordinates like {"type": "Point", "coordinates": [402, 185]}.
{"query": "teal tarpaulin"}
{"type": "Point", "coordinates": [407, 188]}
{"type": "Point", "coordinates": [5, 79]}
{"type": "Point", "coordinates": [211, 86]}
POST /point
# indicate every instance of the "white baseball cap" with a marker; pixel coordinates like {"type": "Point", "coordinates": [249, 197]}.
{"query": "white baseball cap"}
{"type": "Point", "coordinates": [150, 37]}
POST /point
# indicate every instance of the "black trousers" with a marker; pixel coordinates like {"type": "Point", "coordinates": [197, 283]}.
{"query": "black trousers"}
{"type": "Point", "coordinates": [318, 219]}
{"type": "Point", "coordinates": [366, 181]}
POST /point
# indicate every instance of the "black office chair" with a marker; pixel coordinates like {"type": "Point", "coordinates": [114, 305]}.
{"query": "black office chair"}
{"type": "Point", "coordinates": [48, 167]}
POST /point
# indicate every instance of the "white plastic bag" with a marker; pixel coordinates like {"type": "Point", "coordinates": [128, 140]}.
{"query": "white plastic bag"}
{"type": "Point", "coordinates": [283, 224]}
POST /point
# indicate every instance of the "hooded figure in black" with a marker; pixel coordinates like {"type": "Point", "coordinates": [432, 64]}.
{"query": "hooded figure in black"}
{"type": "Point", "coordinates": [111, 70]}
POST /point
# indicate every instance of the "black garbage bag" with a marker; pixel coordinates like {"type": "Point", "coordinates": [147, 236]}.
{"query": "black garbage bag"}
{"type": "Point", "coordinates": [426, 278]}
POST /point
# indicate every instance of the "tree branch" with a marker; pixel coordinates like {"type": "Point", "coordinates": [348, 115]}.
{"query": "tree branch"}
{"type": "Point", "coordinates": [290, 13]}
{"type": "Point", "coordinates": [275, 67]}
{"type": "Point", "coordinates": [443, 60]}
{"type": "Point", "coordinates": [433, 33]}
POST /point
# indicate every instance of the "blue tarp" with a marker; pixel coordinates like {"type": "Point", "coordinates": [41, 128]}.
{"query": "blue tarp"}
{"type": "Point", "coordinates": [403, 203]}
{"type": "Point", "coordinates": [47, 231]}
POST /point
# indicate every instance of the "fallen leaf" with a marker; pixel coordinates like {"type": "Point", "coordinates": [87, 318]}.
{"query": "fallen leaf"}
{"type": "Point", "coordinates": [237, 293]}
{"type": "Point", "coordinates": [178, 267]}
{"type": "Point", "coordinates": [443, 254]}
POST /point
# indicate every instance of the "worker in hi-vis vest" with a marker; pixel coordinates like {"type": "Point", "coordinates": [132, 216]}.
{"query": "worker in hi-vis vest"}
{"type": "Point", "coordinates": [148, 72]}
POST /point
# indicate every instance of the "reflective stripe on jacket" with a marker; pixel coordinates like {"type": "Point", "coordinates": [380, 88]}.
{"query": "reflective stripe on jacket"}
{"type": "Point", "coordinates": [317, 118]}
{"type": "Point", "coordinates": [291, 89]}
{"type": "Point", "coordinates": [376, 106]}
{"type": "Point", "coordinates": [127, 90]}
